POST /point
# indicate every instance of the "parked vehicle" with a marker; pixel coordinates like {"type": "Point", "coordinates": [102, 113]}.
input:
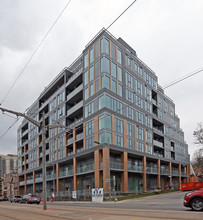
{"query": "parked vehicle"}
{"type": "Point", "coordinates": [30, 198]}
{"type": "Point", "coordinates": [194, 200]}
{"type": "Point", "coordinates": [15, 199]}
{"type": "Point", "coordinates": [9, 197]}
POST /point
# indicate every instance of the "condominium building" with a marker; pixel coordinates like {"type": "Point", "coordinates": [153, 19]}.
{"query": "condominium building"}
{"type": "Point", "coordinates": [126, 136]}
{"type": "Point", "coordinates": [8, 163]}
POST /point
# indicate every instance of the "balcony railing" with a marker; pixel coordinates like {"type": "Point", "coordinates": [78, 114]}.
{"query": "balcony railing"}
{"type": "Point", "coordinates": [175, 173]}
{"type": "Point", "coordinates": [22, 183]}
{"type": "Point", "coordinates": [84, 169]}
{"type": "Point", "coordinates": [164, 171]}
{"type": "Point", "coordinates": [38, 179]}
{"type": "Point", "coordinates": [116, 165]}
{"type": "Point", "coordinates": [183, 174]}
{"type": "Point", "coordinates": [29, 181]}
{"type": "Point", "coordinates": [135, 168]}
{"type": "Point", "coordinates": [152, 170]}
{"type": "Point", "coordinates": [51, 176]}
{"type": "Point", "coordinates": [65, 173]}
{"type": "Point", "coordinates": [158, 143]}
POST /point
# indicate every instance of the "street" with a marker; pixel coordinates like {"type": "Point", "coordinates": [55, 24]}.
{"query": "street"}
{"type": "Point", "coordinates": [165, 206]}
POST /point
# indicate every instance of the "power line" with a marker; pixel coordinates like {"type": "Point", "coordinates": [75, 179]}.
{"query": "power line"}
{"type": "Point", "coordinates": [183, 78]}
{"type": "Point", "coordinates": [33, 54]}
{"type": "Point", "coordinates": [121, 14]}
{"type": "Point", "coordinates": [9, 128]}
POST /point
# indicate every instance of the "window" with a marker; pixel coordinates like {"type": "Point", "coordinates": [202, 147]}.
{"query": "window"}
{"type": "Point", "coordinates": [113, 70]}
{"type": "Point", "coordinates": [52, 118]}
{"type": "Point", "coordinates": [148, 107]}
{"type": "Point", "coordinates": [91, 89]}
{"type": "Point", "coordinates": [91, 73]}
{"type": "Point", "coordinates": [120, 90]}
{"type": "Point", "coordinates": [130, 143]}
{"type": "Point", "coordinates": [114, 86]}
{"type": "Point", "coordinates": [91, 55]}
{"type": "Point", "coordinates": [96, 69]}
{"type": "Point", "coordinates": [105, 137]}
{"type": "Point", "coordinates": [129, 61]}
{"type": "Point", "coordinates": [104, 46]}
{"type": "Point", "coordinates": [138, 87]}
{"type": "Point", "coordinates": [89, 109]}
{"type": "Point", "coordinates": [129, 80]}
{"type": "Point", "coordinates": [139, 101]}
{"type": "Point", "coordinates": [86, 93]}
{"type": "Point", "coordinates": [148, 137]}
{"type": "Point", "coordinates": [89, 142]}
{"type": "Point", "coordinates": [61, 112]}
{"type": "Point", "coordinates": [119, 74]}
{"type": "Point", "coordinates": [105, 82]}
{"type": "Point", "coordinates": [148, 121]}
{"type": "Point", "coordinates": [105, 121]}
{"type": "Point", "coordinates": [140, 146]}
{"type": "Point", "coordinates": [89, 128]}
{"type": "Point", "coordinates": [129, 129]}
{"type": "Point", "coordinates": [86, 78]}
{"type": "Point", "coordinates": [119, 54]}
{"type": "Point", "coordinates": [86, 61]}
{"type": "Point", "coordinates": [130, 112]}
{"type": "Point", "coordinates": [101, 102]}
{"type": "Point", "coordinates": [118, 125]}
{"type": "Point", "coordinates": [148, 93]}
{"type": "Point", "coordinates": [118, 140]}
{"type": "Point", "coordinates": [52, 104]}
{"type": "Point", "coordinates": [140, 133]}
{"type": "Point", "coordinates": [139, 117]}
{"type": "Point", "coordinates": [105, 65]}
{"type": "Point", "coordinates": [61, 97]}
{"type": "Point", "coordinates": [129, 95]}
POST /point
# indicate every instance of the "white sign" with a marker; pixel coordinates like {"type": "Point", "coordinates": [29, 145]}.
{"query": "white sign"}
{"type": "Point", "coordinates": [74, 194]}
{"type": "Point", "coordinates": [97, 195]}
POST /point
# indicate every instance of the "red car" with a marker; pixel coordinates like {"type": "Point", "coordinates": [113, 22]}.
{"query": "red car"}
{"type": "Point", "coordinates": [194, 200]}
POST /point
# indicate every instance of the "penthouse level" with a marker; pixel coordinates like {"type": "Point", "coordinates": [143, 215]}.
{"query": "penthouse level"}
{"type": "Point", "coordinates": [126, 136]}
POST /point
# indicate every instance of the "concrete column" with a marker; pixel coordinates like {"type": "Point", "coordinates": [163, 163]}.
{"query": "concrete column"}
{"type": "Point", "coordinates": [74, 174]}
{"type": "Point", "coordinates": [106, 175]}
{"type": "Point", "coordinates": [33, 182]}
{"type": "Point", "coordinates": [124, 174]}
{"type": "Point", "coordinates": [159, 174]}
{"type": "Point", "coordinates": [170, 174]}
{"type": "Point", "coordinates": [56, 148]}
{"type": "Point", "coordinates": [179, 179]}
{"type": "Point", "coordinates": [145, 141]}
{"type": "Point", "coordinates": [144, 160]}
{"type": "Point", "coordinates": [96, 169]}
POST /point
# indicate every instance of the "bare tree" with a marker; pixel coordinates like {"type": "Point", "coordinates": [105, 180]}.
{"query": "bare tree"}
{"type": "Point", "coordinates": [198, 134]}
{"type": "Point", "coordinates": [197, 162]}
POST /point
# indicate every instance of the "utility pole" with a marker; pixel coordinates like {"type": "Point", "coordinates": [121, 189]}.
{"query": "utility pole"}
{"type": "Point", "coordinates": [43, 129]}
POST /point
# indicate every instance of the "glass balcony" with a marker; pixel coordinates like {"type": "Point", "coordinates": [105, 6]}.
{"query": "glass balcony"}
{"type": "Point", "coordinates": [29, 181]}
{"type": "Point", "coordinates": [183, 174]}
{"type": "Point", "coordinates": [38, 179]}
{"type": "Point", "coordinates": [152, 170]}
{"type": "Point", "coordinates": [22, 183]}
{"type": "Point", "coordinates": [175, 173]}
{"type": "Point", "coordinates": [164, 171]}
{"type": "Point", "coordinates": [51, 176]}
{"type": "Point", "coordinates": [84, 169]}
{"type": "Point", "coordinates": [135, 168]}
{"type": "Point", "coordinates": [116, 165]}
{"type": "Point", "coordinates": [157, 143]}
{"type": "Point", "coordinates": [66, 173]}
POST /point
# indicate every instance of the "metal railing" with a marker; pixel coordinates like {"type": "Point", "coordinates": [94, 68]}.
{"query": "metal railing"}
{"type": "Point", "coordinates": [65, 173]}
{"type": "Point", "coordinates": [135, 168]}
{"type": "Point", "coordinates": [152, 170]}
{"type": "Point", "coordinates": [84, 169]}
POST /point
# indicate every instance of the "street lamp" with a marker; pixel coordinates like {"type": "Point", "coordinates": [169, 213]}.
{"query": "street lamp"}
{"type": "Point", "coordinates": [43, 129]}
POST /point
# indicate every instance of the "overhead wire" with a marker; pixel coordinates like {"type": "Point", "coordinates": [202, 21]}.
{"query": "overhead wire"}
{"type": "Point", "coordinates": [33, 54]}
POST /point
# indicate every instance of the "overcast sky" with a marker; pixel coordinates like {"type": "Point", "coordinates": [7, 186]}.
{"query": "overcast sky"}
{"type": "Point", "coordinates": [167, 35]}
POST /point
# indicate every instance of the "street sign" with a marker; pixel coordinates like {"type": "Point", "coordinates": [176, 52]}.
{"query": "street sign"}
{"type": "Point", "coordinates": [107, 180]}
{"type": "Point", "coordinates": [74, 194]}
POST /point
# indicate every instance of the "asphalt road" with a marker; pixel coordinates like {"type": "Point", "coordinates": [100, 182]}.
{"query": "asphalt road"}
{"type": "Point", "coordinates": [169, 201]}
{"type": "Point", "coordinates": [164, 206]}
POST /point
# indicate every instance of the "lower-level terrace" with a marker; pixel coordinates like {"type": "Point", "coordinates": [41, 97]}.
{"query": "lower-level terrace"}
{"type": "Point", "coordinates": [114, 169]}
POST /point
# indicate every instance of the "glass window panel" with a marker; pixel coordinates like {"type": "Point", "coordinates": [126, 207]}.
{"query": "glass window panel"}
{"type": "Point", "coordinates": [113, 70]}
